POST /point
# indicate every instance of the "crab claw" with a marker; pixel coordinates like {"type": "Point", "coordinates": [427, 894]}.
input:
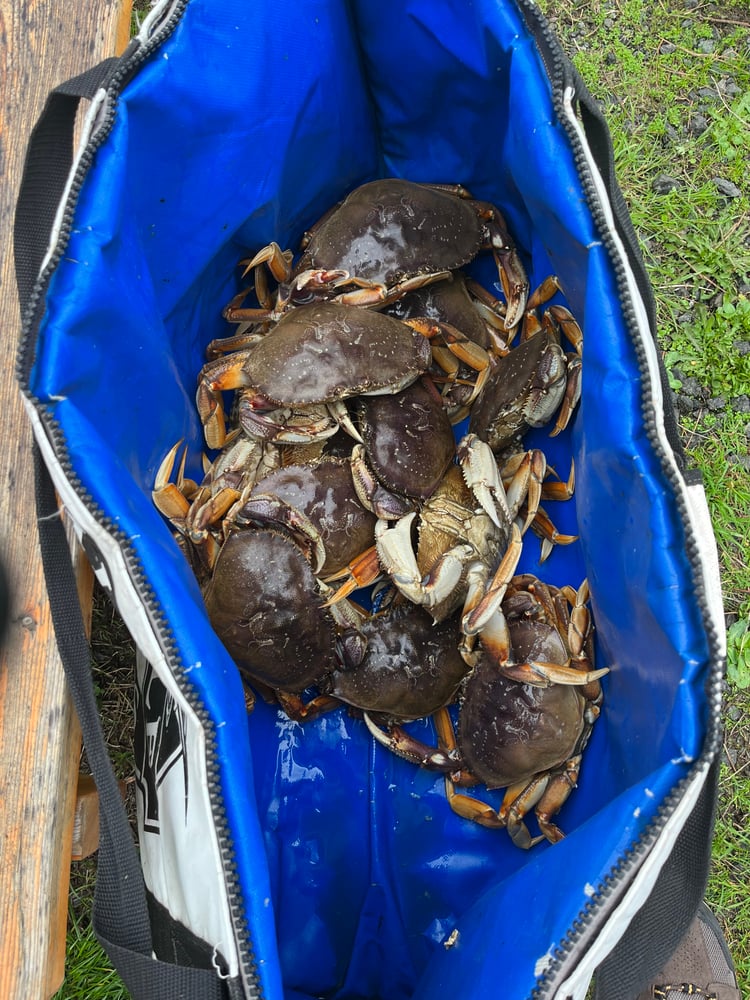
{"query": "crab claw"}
{"type": "Point", "coordinates": [398, 741]}
{"type": "Point", "coordinates": [313, 283]}
{"type": "Point", "coordinates": [215, 377]}
{"type": "Point", "coordinates": [572, 393]}
{"type": "Point", "coordinates": [173, 499]}
{"type": "Point", "coordinates": [483, 479]}
{"type": "Point", "coordinates": [398, 560]}
{"type": "Point", "coordinates": [515, 284]}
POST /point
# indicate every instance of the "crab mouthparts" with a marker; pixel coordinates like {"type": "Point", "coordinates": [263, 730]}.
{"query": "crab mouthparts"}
{"type": "Point", "coordinates": [259, 403]}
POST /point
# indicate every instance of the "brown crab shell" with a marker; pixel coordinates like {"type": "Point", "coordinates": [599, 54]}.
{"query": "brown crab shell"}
{"type": "Point", "coordinates": [391, 229]}
{"type": "Point", "coordinates": [264, 603]}
{"type": "Point", "coordinates": [503, 412]}
{"type": "Point", "coordinates": [411, 667]}
{"type": "Point", "coordinates": [324, 492]}
{"type": "Point", "coordinates": [509, 731]}
{"type": "Point", "coordinates": [408, 438]}
{"type": "Point", "coordinates": [323, 352]}
{"type": "Point", "coordinates": [446, 301]}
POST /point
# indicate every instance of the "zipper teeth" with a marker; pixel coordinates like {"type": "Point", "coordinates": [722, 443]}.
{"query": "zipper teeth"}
{"type": "Point", "coordinates": [625, 866]}
{"type": "Point", "coordinates": [24, 363]}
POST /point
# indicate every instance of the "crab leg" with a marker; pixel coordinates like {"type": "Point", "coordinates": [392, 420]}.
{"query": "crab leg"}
{"type": "Point", "coordinates": [361, 572]}
{"type": "Point", "coordinates": [548, 793]}
{"type": "Point", "coordinates": [540, 673]}
{"type": "Point", "coordinates": [544, 292]}
{"type": "Point", "coordinates": [579, 632]}
{"type": "Point", "coordinates": [401, 743]}
{"type": "Point", "coordinates": [302, 711]}
{"type": "Point", "coordinates": [246, 337]}
{"type": "Point", "coordinates": [560, 490]}
{"type": "Point", "coordinates": [207, 510]}
{"type": "Point", "coordinates": [523, 478]}
{"type": "Point", "coordinates": [568, 324]}
{"type": "Point", "coordinates": [542, 526]}
{"type": "Point", "coordinates": [234, 312]}
{"type": "Point", "coordinates": [481, 612]}
{"type": "Point", "coordinates": [493, 311]}
{"type": "Point", "coordinates": [534, 516]}
{"type": "Point", "coordinates": [279, 262]}
{"type": "Point", "coordinates": [471, 808]}
{"type": "Point", "coordinates": [455, 347]}
{"type": "Point", "coordinates": [371, 293]}
{"type": "Point", "coordinates": [216, 376]}
{"type": "Point", "coordinates": [517, 801]}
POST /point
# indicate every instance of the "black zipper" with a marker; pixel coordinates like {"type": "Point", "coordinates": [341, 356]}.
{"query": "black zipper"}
{"type": "Point", "coordinates": [125, 68]}
{"type": "Point", "coordinates": [562, 76]}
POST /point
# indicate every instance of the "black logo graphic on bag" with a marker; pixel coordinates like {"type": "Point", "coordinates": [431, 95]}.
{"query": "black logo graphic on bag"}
{"type": "Point", "coordinates": [159, 745]}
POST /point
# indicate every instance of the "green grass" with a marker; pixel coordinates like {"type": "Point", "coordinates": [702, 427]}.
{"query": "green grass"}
{"type": "Point", "coordinates": [138, 15]}
{"type": "Point", "coordinates": [89, 973]}
{"type": "Point", "coordinates": [727, 891]}
{"type": "Point", "coordinates": [716, 444]}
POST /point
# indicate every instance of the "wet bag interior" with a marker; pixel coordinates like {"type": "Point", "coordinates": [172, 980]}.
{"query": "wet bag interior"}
{"type": "Point", "coordinates": [249, 122]}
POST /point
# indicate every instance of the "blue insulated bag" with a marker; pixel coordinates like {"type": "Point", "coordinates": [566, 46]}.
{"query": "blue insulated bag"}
{"type": "Point", "coordinates": [290, 861]}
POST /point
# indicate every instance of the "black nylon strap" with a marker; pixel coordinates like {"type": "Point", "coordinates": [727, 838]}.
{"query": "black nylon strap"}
{"type": "Point", "coordinates": [121, 919]}
{"type": "Point", "coordinates": [600, 142]}
{"type": "Point", "coordinates": [49, 158]}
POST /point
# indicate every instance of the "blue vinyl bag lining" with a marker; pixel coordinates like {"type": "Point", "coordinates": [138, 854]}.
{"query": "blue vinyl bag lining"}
{"type": "Point", "coordinates": [244, 127]}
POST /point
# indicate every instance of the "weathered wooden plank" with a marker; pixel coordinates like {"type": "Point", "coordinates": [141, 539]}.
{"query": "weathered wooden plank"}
{"type": "Point", "coordinates": [41, 44]}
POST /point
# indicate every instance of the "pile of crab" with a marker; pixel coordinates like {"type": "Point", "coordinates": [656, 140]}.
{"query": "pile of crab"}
{"type": "Point", "coordinates": [340, 472]}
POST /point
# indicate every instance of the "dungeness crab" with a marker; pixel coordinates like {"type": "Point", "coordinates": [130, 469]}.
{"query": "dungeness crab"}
{"type": "Point", "coordinates": [525, 737]}
{"type": "Point", "coordinates": [386, 238]}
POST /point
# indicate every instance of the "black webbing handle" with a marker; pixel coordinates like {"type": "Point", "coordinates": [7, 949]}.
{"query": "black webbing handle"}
{"type": "Point", "coordinates": [121, 920]}
{"type": "Point", "coordinates": [49, 157]}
